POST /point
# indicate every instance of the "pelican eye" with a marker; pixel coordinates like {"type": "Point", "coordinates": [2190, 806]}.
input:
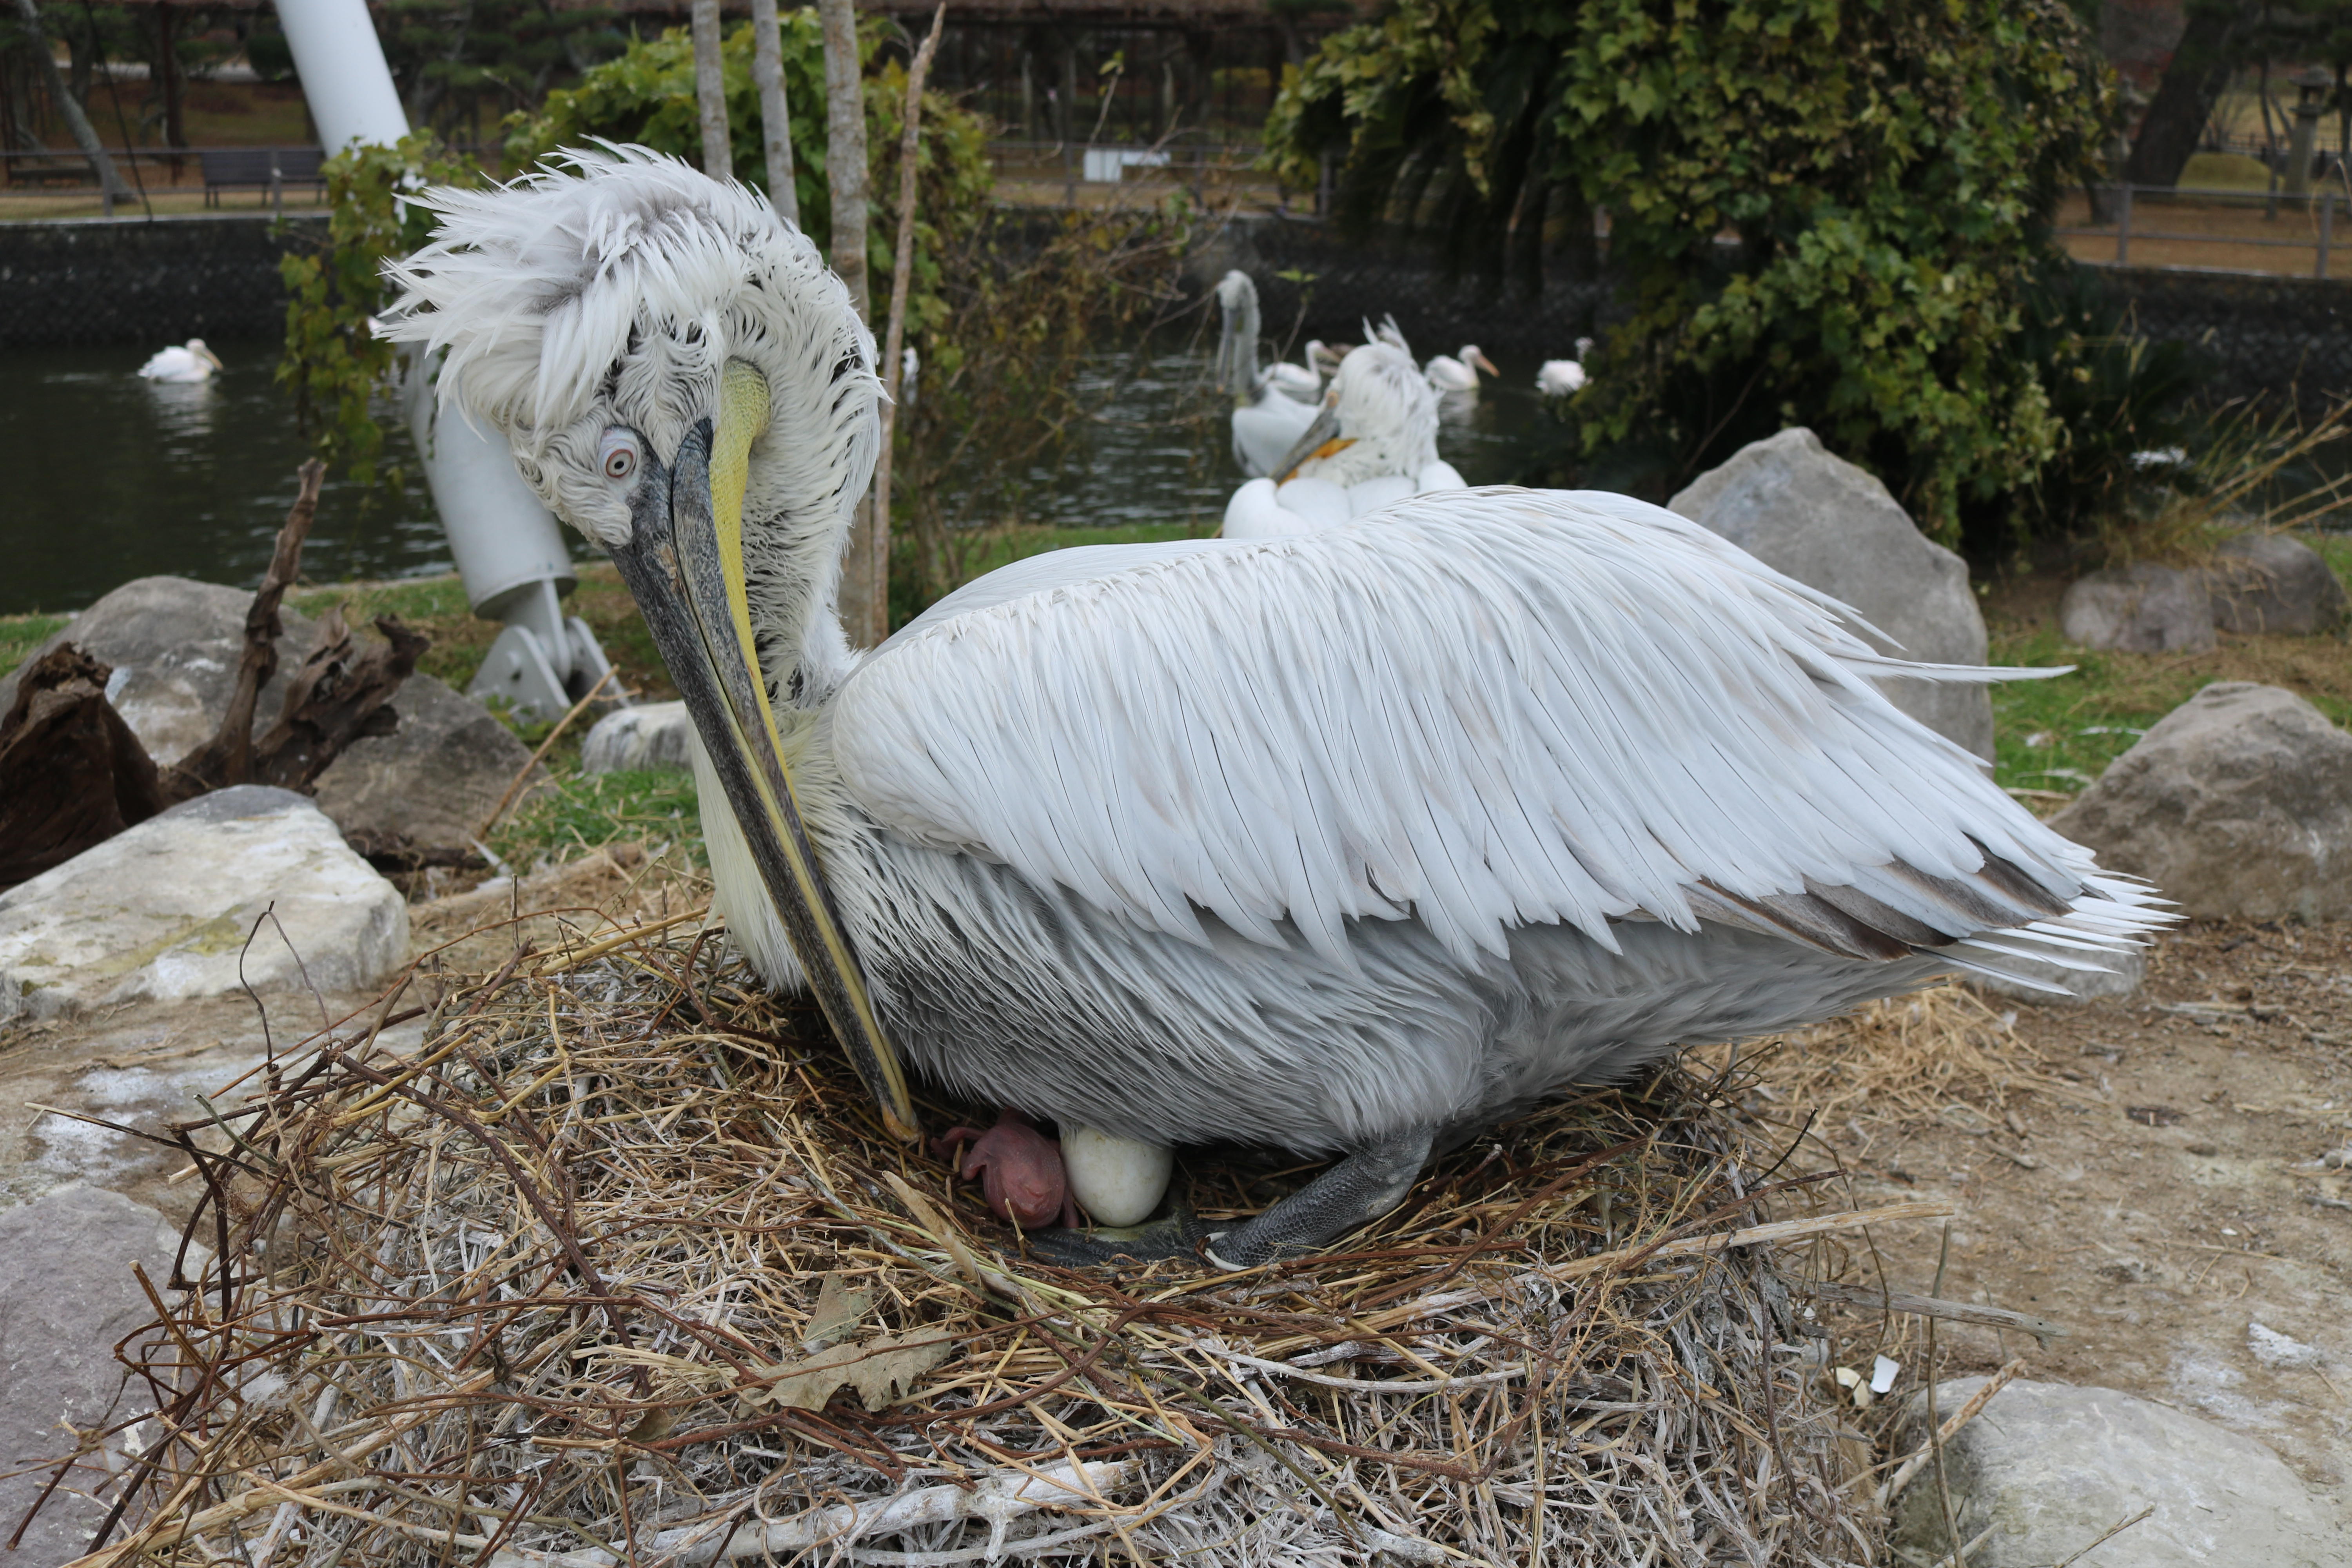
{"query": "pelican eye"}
{"type": "Point", "coordinates": [619, 455]}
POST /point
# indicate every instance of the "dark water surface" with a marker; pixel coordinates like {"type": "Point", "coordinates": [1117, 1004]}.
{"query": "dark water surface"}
{"type": "Point", "coordinates": [109, 477]}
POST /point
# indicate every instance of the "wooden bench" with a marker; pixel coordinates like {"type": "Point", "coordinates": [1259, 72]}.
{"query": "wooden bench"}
{"type": "Point", "coordinates": [259, 169]}
{"type": "Point", "coordinates": [47, 175]}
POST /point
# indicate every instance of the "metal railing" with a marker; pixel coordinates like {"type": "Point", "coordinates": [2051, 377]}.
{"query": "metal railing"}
{"type": "Point", "coordinates": [2127, 214]}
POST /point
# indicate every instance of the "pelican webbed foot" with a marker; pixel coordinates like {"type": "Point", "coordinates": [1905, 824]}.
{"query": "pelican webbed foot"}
{"type": "Point", "coordinates": [1176, 1233]}
{"type": "Point", "coordinates": [1355, 1192]}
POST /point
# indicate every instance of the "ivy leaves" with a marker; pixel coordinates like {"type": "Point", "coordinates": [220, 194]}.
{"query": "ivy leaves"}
{"type": "Point", "coordinates": [1827, 212]}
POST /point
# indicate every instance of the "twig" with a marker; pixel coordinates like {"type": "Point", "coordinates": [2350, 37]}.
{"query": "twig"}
{"type": "Point", "coordinates": [2112, 1532]}
{"type": "Point", "coordinates": [1944, 1433]}
{"type": "Point", "coordinates": [2040, 1329]}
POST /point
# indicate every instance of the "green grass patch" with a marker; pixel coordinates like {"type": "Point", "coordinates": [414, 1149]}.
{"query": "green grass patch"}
{"type": "Point", "coordinates": [20, 634]}
{"type": "Point", "coordinates": [586, 812]}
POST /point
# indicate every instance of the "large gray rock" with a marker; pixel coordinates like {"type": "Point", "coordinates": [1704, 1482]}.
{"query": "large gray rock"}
{"type": "Point", "coordinates": [650, 735]}
{"type": "Point", "coordinates": [2239, 802]}
{"type": "Point", "coordinates": [164, 911]}
{"type": "Point", "coordinates": [2142, 608]}
{"type": "Point", "coordinates": [2269, 583]}
{"type": "Point", "coordinates": [66, 1297]}
{"type": "Point", "coordinates": [175, 645]}
{"type": "Point", "coordinates": [429, 783]}
{"type": "Point", "coordinates": [2051, 1468]}
{"type": "Point", "coordinates": [1830, 525]}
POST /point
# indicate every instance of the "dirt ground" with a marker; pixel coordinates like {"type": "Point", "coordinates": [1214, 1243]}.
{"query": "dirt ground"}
{"type": "Point", "coordinates": [2177, 1195]}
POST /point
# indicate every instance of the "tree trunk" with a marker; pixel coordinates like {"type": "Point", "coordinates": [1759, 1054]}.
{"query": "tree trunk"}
{"type": "Point", "coordinates": [2192, 83]}
{"type": "Point", "coordinates": [710, 92]}
{"type": "Point", "coordinates": [776, 113]}
{"type": "Point", "coordinates": [902, 265]}
{"type": "Point", "coordinates": [844, 124]}
{"type": "Point", "coordinates": [167, 62]}
{"type": "Point", "coordinates": [108, 181]}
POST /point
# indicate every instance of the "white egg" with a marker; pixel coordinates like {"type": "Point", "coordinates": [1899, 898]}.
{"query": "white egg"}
{"type": "Point", "coordinates": [1117, 1180]}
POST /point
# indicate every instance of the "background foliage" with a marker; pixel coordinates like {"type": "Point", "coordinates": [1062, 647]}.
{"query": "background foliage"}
{"type": "Point", "coordinates": [333, 363]}
{"type": "Point", "coordinates": [1825, 211]}
{"type": "Point", "coordinates": [646, 95]}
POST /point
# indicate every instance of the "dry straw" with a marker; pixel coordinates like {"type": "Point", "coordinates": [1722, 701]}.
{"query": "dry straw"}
{"type": "Point", "coordinates": [616, 1267]}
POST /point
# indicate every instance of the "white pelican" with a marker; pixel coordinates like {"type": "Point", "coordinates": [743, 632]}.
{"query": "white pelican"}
{"type": "Point", "coordinates": [1345, 845]}
{"type": "Point", "coordinates": [1448, 374]}
{"type": "Point", "coordinates": [1374, 442]}
{"type": "Point", "coordinates": [910, 366]}
{"type": "Point", "coordinates": [1388, 332]}
{"type": "Point", "coordinates": [1561, 377]}
{"type": "Point", "coordinates": [1266, 417]}
{"type": "Point", "coordinates": [182, 361]}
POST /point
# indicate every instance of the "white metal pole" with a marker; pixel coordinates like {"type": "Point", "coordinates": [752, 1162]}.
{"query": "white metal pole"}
{"type": "Point", "coordinates": [510, 549]}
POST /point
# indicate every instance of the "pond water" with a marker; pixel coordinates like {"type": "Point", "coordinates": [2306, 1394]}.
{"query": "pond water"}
{"type": "Point", "coordinates": [111, 478]}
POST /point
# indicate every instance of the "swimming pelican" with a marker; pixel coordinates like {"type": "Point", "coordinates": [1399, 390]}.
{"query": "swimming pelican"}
{"type": "Point", "coordinates": [1561, 377]}
{"type": "Point", "coordinates": [1448, 374]}
{"type": "Point", "coordinates": [1266, 418]}
{"type": "Point", "coordinates": [188, 362]}
{"type": "Point", "coordinates": [1346, 845]}
{"type": "Point", "coordinates": [1374, 442]}
{"type": "Point", "coordinates": [910, 366]}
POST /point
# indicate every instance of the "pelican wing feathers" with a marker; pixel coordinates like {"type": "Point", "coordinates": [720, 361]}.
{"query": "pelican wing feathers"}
{"type": "Point", "coordinates": [1484, 709]}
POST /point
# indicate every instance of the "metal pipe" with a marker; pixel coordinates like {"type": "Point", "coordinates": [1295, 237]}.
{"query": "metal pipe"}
{"type": "Point", "coordinates": [510, 549]}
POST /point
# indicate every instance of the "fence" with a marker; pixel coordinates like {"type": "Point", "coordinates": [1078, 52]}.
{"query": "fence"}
{"type": "Point", "coordinates": [1086, 173]}
{"type": "Point", "coordinates": [2219, 230]}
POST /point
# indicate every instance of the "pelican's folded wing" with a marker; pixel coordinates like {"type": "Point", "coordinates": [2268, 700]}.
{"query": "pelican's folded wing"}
{"type": "Point", "coordinates": [1491, 708]}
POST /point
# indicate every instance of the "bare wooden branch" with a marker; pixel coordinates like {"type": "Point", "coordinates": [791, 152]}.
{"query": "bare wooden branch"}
{"type": "Point", "coordinates": [227, 757]}
{"type": "Point", "coordinates": [2041, 1329]}
{"type": "Point", "coordinates": [340, 694]}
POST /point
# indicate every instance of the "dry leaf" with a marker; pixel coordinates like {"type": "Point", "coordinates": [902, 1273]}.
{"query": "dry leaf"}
{"type": "Point", "coordinates": [881, 1369]}
{"type": "Point", "coordinates": [838, 1307]}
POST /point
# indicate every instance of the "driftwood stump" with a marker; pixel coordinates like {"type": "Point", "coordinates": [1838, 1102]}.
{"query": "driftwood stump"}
{"type": "Point", "coordinates": [71, 773]}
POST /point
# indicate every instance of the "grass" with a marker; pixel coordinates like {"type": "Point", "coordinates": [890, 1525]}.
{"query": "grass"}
{"type": "Point", "coordinates": [20, 634]}
{"type": "Point", "coordinates": [2060, 734]}
{"type": "Point", "coordinates": [586, 812]}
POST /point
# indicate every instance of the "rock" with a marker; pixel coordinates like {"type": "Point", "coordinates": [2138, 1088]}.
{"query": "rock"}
{"type": "Point", "coordinates": [429, 783]}
{"type": "Point", "coordinates": [2050, 1468]}
{"type": "Point", "coordinates": [174, 645]}
{"type": "Point", "coordinates": [164, 911]}
{"type": "Point", "coordinates": [2269, 583]}
{"type": "Point", "coordinates": [2143, 608]}
{"type": "Point", "coordinates": [2125, 974]}
{"type": "Point", "coordinates": [2279, 1352]}
{"type": "Point", "coordinates": [2239, 802]}
{"type": "Point", "coordinates": [1830, 525]}
{"type": "Point", "coordinates": [651, 735]}
{"type": "Point", "coordinates": [67, 1296]}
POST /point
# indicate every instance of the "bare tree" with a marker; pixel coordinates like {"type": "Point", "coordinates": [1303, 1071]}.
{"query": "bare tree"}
{"type": "Point", "coordinates": [110, 182]}
{"type": "Point", "coordinates": [844, 123]}
{"type": "Point", "coordinates": [902, 266]}
{"type": "Point", "coordinates": [776, 113]}
{"type": "Point", "coordinates": [709, 90]}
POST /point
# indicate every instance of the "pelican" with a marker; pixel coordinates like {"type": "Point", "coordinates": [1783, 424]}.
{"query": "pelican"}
{"type": "Point", "coordinates": [191, 361]}
{"type": "Point", "coordinates": [1448, 374]}
{"type": "Point", "coordinates": [1266, 417]}
{"type": "Point", "coordinates": [1561, 377]}
{"type": "Point", "coordinates": [1374, 442]}
{"type": "Point", "coordinates": [910, 366]}
{"type": "Point", "coordinates": [1345, 845]}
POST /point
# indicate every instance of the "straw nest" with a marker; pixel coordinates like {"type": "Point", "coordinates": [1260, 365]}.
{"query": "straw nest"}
{"type": "Point", "coordinates": [617, 1266]}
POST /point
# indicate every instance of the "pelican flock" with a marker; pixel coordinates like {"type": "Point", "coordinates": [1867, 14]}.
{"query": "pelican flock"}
{"type": "Point", "coordinates": [1270, 407]}
{"type": "Point", "coordinates": [1345, 844]}
{"type": "Point", "coordinates": [1373, 442]}
{"type": "Point", "coordinates": [186, 361]}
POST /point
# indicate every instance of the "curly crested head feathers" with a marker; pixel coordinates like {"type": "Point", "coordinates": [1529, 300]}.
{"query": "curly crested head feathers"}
{"type": "Point", "coordinates": [613, 289]}
{"type": "Point", "coordinates": [1387, 415]}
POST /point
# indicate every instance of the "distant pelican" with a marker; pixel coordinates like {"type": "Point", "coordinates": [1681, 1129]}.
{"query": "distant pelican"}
{"type": "Point", "coordinates": [188, 362]}
{"type": "Point", "coordinates": [1267, 419]}
{"type": "Point", "coordinates": [910, 366]}
{"type": "Point", "coordinates": [1374, 442]}
{"type": "Point", "coordinates": [1346, 845]}
{"type": "Point", "coordinates": [1561, 377]}
{"type": "Point", "coordinates": [1448, 374]}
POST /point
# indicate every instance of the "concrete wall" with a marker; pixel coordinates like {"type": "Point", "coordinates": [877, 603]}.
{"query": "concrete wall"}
{"type": "Point", "coordinates": [135, 281]}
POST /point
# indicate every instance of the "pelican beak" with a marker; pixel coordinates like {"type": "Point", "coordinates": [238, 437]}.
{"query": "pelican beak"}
{"type": "Point", "coordinates": [1483, 363]}
{"type": "Point", "coordinates": [683, 564]}
{"type": "Point", "coordinates": [1322, 438]}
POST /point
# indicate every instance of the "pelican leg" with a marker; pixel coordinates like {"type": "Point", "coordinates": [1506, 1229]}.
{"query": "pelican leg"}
{"type": "Point", "coordinates": [1175, 1234]}
{"type": "Point", "coordinates": [1355, 1192]}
